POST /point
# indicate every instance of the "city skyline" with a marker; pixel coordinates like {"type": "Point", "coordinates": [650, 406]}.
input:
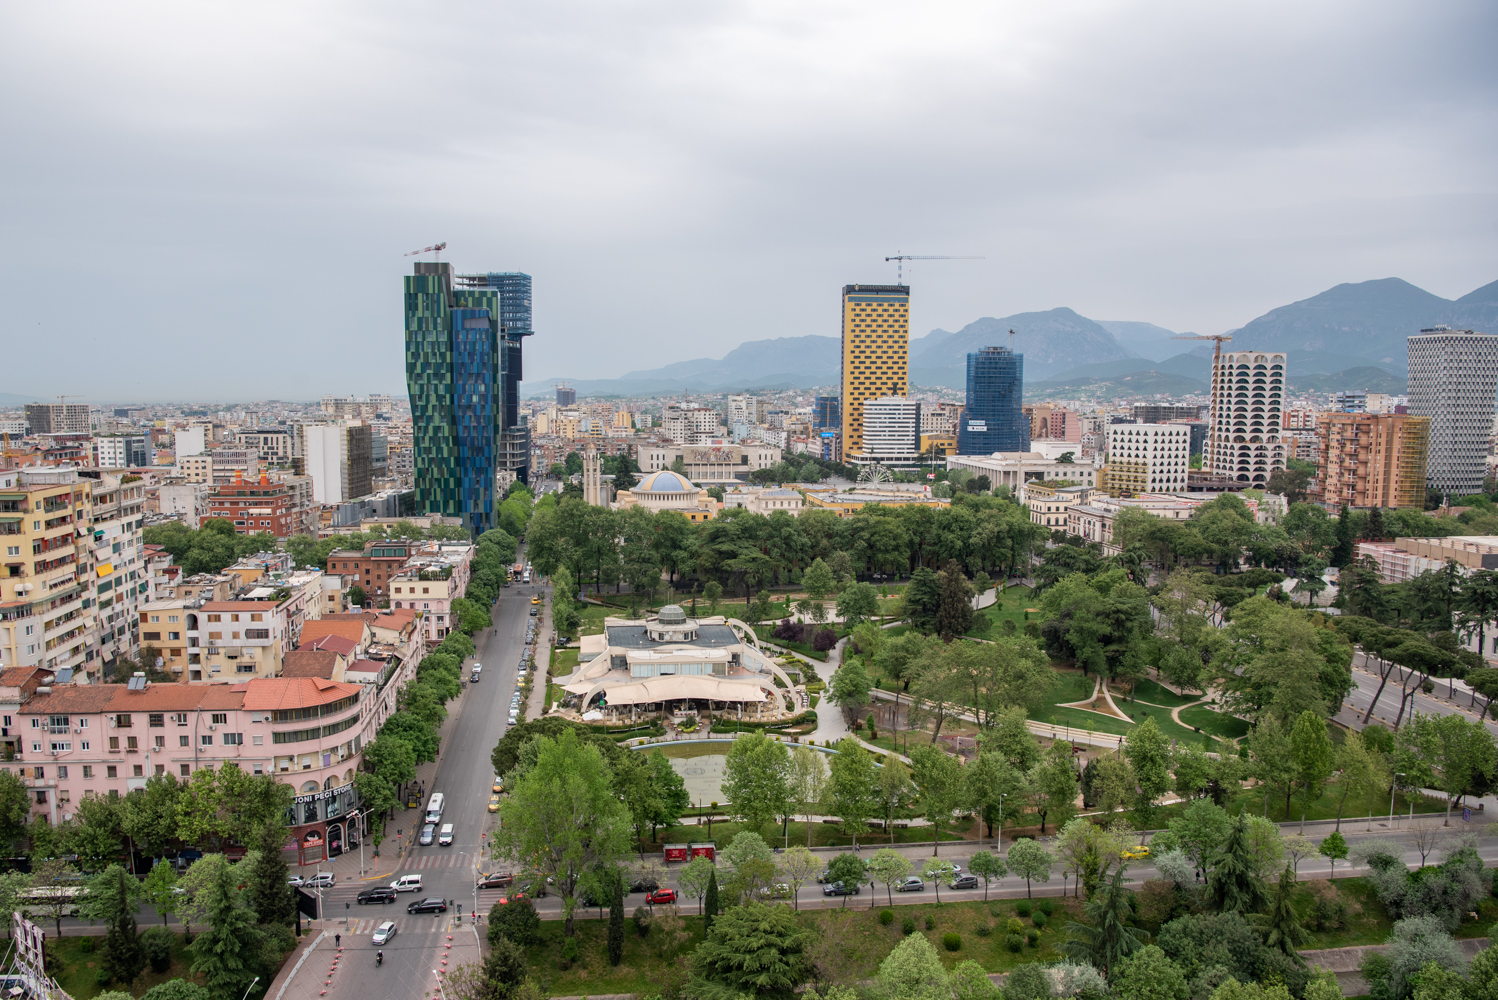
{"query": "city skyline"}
{"type": "Point", "coordinates": [601, 175]}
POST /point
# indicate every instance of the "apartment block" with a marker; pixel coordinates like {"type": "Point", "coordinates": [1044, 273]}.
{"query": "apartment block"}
{"type": "Point", "coordinates": [46, 588]}
{"type": "Point", "coordinates": [57, 418]}
{"type": "Point", "coordinates": [1244, 442]}
{"type": "Point", "coordinates": [122, 451]}
{"type": "Point", "coordinates": [1453, 377]}
{"type": "Point", "coordinates": [1372, 460]}
{"type": "Point", "coordinates": [121, 577]}
{"type": "Point", "coordinates": [875, 353]}
{"type": "Point", "coordinates": [1146, 458]}
{"type": "Point", "coordinates": [254, 506]}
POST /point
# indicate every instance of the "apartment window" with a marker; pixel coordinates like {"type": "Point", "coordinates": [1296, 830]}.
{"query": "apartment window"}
{"type": "Point", "coordinates": [130, 743]}
{"type": "Point", "coordinates": [184, 741]}
{"type": "Point", "coordinates": [233, 739]}
{"type": "Point", "coordinates": [83, 744]}
{"type": "Point", "coordinates": [114, 743]}
{"type": "Point", "coordinates": [156, 720]}
{"type": "Point", "coordinates": [180, 718]}
{"type": "Point", "coordinates": [160, 768]}
{"type": "Point", "coordinates": [123, 721]}
{"type": "Point", "coordinates": [220, 718]}
{"type": "Point", "coordinates": [138, 771]}
{"type": "Point", "coordinates": [174, 637]}
{"type": "Point", "coordinates": [38, 772]}
{"type": "Point", "coordinates": [110, 771]}
{"type": "Point", "coordinates": [215, 618]}
{"type": "Point", "coordinates": [155, 619]}
{"type": "Point", "coordinates": [206, 739]}
{"type": "Point", "coordinates": [258, 740]}
{"type": "Point", "coordinates": [41, 797]}
{"type": "Point", "coordinates": [185, 771]}
{"type": "Point", "coordinates": [88, 770]}
{"type": "Point", "coordinates": [161, 743]}
{"type": "Point", "coordinates": [62, 772]}
{"type": "Point", "coordinates": [172, 618]}
{"type": "Point", "coordinates": [257, 768]}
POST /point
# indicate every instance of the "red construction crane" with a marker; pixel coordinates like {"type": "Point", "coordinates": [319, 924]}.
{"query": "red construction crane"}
{"type": "Point", "coordinates": [435, 251]}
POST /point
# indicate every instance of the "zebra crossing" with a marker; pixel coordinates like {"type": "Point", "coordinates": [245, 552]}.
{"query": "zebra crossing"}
{"type": "Point", "coordinates": [429, 861]}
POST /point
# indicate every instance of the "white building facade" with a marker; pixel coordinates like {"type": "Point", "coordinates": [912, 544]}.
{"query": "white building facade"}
{"type": "Point", "coordinates": [1453, 376]}
{"type": "Point", "coordinates": [1244, 439]}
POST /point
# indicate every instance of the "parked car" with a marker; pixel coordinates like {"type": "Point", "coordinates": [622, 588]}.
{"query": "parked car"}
{"type": "Point", "coordinates": [320, 881]}
{"type": "Point", "coordinates": [445, 838]}
{"type": "Point", "coordinates": [965, 882]}
{"type": "Point", "coordinates": [661, 896]}
{"type": "Point", "coordinates": [1137, 853]}
{"type": "Point", "coordinates": [384, 932]}
{"type": "Point", "coordinates": [496, 880]}
{"type": "Point", "coordinates": [428, 834]}
{"type": "Point", "coordinates": [379, 894]}
{"type": "Point", "coordinates": [776, 890]}
{"type": "Point", "coordinates": [473, 678]}
{"type": "Point", "coordinates": [407, 883]}
{"type": "Point", "coordinates": [499, 784]}
{"type": "Point", "coordinates": [296, 880]}
{"type": "Point", "coordinates": [494, 803]}
{"type": "Point", "coordinates": [839, 889]}
{"type": "Point", "coordinates": [430, 905]}
{"type": "Point", "coordinates": [912, 884]}
{"type": "Point", "coordinates": [644, 885]}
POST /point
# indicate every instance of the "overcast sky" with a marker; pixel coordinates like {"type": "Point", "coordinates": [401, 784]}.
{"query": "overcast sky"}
{"type": "Point", "coordinates": [210, 201]}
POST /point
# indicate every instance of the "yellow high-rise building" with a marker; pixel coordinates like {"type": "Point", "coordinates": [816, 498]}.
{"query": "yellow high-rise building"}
{"type": "Point", "coordinates": [876, 352]}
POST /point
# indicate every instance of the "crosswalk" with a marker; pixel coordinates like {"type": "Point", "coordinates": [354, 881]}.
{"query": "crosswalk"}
{"type": "Point", "coordinates": [415, 923]}
{"type": "Point", "coordinates": [426, 861]}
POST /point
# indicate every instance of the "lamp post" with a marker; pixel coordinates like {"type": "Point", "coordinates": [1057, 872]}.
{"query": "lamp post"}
{"type": "Point", "coordinates": [1393, 785]}
{"type": "Point", "coordinates": [440, 991]}
{"type": "Point", "coordinates": [250, 987]}
{"type": "Point", "coordinates": [998, 840]}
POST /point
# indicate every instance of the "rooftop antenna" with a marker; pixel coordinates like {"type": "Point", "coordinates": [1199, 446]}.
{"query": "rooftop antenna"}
{"type": "Point", "coordinates": [435, 250]}
{"type": "Point", "coordinates": [901, 258]}
{"type": "Point", "coordinates": [1011, 341]}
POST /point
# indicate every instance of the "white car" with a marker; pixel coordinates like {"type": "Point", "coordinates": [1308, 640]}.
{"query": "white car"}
{"type": "Point", "coordinates": [320, 881]}
{"type": "Point", "coordinates": [296, 880]}
{"type": "Point", "coordinates": [445, 837]}
{"type": "Point", "coordinates": [407, 883]}
{"type": "Point", "coordinates": [384, 932]}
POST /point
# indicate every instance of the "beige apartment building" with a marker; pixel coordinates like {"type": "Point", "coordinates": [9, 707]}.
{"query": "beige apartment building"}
{"type": "Point", "coordinates": [46, 578]}
{"type": "Point", "coordinates": [1372, 460]}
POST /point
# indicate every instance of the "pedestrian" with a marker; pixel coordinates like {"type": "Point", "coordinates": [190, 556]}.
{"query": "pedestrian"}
{"type": "Point", "coordinates": [337, 940]}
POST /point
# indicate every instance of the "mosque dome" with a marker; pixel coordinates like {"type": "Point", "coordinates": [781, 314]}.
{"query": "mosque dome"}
{"type": "Point", "coordinates": [665, 481]}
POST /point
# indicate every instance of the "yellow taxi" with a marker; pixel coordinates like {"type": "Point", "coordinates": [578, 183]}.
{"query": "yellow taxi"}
{"type": "Point", "coordinates": [536, 599]}
{"type": "Point", "coordinates": [1136, 853]}
{"type": "Point", "coordinates": [494, 803]}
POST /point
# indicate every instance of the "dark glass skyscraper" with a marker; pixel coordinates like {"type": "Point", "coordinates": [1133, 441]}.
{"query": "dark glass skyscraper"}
{"type": "Point", "coordinates": [994, 419]}
{"type": "Point", "coordinates": [829, 413]}
{"type": "Point", "coordinates": [463, 372]}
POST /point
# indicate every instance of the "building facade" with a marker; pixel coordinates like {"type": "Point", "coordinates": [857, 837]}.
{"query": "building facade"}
{"type": "Point", "coordinates": [994, 418]}
{"type": "Point", "coordinates": [253, 506]}
{"type": "Point", "coordinates": [1244, 442]}
{"type": "Point", "coordinates": [57, 418]}
{"type": "Point", "coordinates": [339, 458]}
{"type": "Point", "coordinates": [1150, 458]}
{"type": "Point", "coordinates": [46, 578]}
{"type": "Point", "coordinates": [1372, 460]}
{"type": "Point", "coordinates": [875, 353]}
{"type": "Point", "coordinates": [1453, 378]}
{"type": "Point", "coordinates": [891, 432]}
{"type": "Point", "coordinates": [122, 451]}
{"type": "Point", "coordinates": [829, 413]}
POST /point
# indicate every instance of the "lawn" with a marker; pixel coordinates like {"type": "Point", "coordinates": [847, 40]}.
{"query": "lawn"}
{"type": "Point", "coordinates": [75, 968]}
{"type": "Point", "coordinates": [848, 945]}
{"type": "Point", "coordinates": [563, 662]}
{"type": "Point", "coordinates": [822, 834]}
{"type": "Point", "coordinates": [1216, 723]}
{"type": "Point", "coordinates": [763, 631]}
{"type": "Point", "coordinates": [1070, 686]}
{"type": "Point", "coordinates": [1147, 690]}
{"type": "Point", "coordinates": [1078, 718]}
{"type": "Point", "coordinates": [1169, 726]}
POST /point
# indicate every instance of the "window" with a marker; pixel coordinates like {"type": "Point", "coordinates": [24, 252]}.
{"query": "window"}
{"type": "Point", "coordinates": [62, 772]}
{"type": "Point", "coordinates": [83, 744]}
{"type": "Point", "coordinates": [38, 772]}
{"type": "Point", "coordinates": [233, 739]}
{"type": "Point", "coordinates": [88, 770]}
{"type": "Point", "coordinates": [180, 718]}
{"type": "Point", "coordinates": [206, 739]}
{"type": "Point", "coordinates": [258, 740]}
{"type": "Point", "coordinates": [220, 718]}
{"type": "Point", "coordinates": [161, 743]}
{"type": "Point", "coordinates": [171, 618]}
{"type": "Point", "coordinates": [41, 797]}
{"type": "Point", "coordinates": [186, 771]}
{"type": "Point", "coordinates": [155, 619]}
{"type": "Point", "coordinates": [123, 721]}
{"type": "Point", "coordinates": [184, 741]}
{"type": "Point", "coordinates": [138, 771]}
{"type": "Point", "coordinates": [156, 720]}
{"type": "Point", "coordinates": [110, 771]}
{"type": "Point", "coordinates": [257, 767]}
{"type": "Point", "coordinates": [215, 618]}
{"type": "Point", "coordinates": [130, 743]}
{"type": "Point", "coordinates": [114, 743]}
{"type": "Point", "coordinates": [160, 768]}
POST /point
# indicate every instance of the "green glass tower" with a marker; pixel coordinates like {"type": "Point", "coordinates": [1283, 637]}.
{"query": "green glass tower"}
{"type": "Point", "coordinates": [463, 336]}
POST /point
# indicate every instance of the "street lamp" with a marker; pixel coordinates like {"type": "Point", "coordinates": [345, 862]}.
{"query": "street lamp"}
{"type": "Point", "coordinates": [440, 990]}
{"type": "Point", "coordinates": [998, 840]}
{"type": "Point", "coordinates": [250, 987]}
{"type": "Point", "coordinates": [1393, 785]}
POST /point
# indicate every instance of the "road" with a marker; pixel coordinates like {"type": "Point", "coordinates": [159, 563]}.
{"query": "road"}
{"type": "Point", "coordinates": [1365, 679]}
{"type": "Point", "coordinates": [464, 776]}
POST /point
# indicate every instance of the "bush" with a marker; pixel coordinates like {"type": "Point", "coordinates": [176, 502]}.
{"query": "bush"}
{"type": "Point", "coordinates": [908, 925]}
{"type": "Point", "coordinates": [951, 940]}
{"type": "Point", "coordinates": [824, 640]}
{"type": "Point", "coordinates": [1032, 936]}
{"type": "Point", "coordinates": [568, 955]}
{"type": "Point", "coordinates": [1023, 909]}
{"type": "Point", "coordinates": [102, 978]}
{"type": "Point", "coordinates": [1046, 906]}
{"type": "Point", "coordinates": [86, 945]}
{"type": "Point", "coordinates": [984, 930]}
{"type": "Point", "coordinates": [157, 943]}
{"type": "Point", "coordinates": [1014, 942]}
{"type": "Point", "coordinates": [516, 920]}
{"type": "Point", "coordinates": [930, 923]}
{"type": "Point", "coordinates": [1038, 919]}
{"type": "Point", "coordinates": [789, 631]}
{"type": "Point", "coordinates": [886, 917]}
{"type": "Point", "coordinates": [642, 921]}
{"type": "Point", "coordinates": [996, 912]}
{"type": "Point", "coordinates": [1015, 926]}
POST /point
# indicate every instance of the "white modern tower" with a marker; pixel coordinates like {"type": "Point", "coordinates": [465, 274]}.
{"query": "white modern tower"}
{"type": "Point", "coordinates": [1453, 379]}
{"type": "Point", "coordinates": [1244, 441]}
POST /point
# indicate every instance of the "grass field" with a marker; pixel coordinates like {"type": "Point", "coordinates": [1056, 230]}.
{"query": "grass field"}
{"type": "Point", "coordinates": [1078, 718]}
{"type": "Point", "coordinates": [1216, 723]}
{"type": "Point", "coordinates": [822, 834]}
{"type": "Point", "coordinates": [1147, 690]}
{"type": "Point", "coordinates": [75, 969]}
{"type": "Point", "coordinates": [1169, 726]}
{"type": "Point", "coordinates": [763, 631]}
{"type": "Point", "coordinates": [849, 943]}
{"type": "Point", "coordinates": [1070, 686]}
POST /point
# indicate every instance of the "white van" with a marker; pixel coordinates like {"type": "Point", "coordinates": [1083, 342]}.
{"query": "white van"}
{"type": "Point", "coordinates": [434, 808]}
{"type": "Point", "coordinates": [445, 838]}
{"type": "Point", "coordinates": [407, 883]}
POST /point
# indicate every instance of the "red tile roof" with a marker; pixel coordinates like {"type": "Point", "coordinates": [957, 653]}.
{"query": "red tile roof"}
{"type": "Point", "coordinates": [276, 693]}
{"type": "Point", "coordinates": [337, 643]}
{"type": "Point", "coordinates": [309, 663]}
{"type": "Point", "coordinates": [350, 630]}
{"type": "Point", "coordinates": [366, 666]}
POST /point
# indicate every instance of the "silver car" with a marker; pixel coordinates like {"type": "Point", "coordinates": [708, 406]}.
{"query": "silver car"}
{"type": "Point", "coordinates": [384, 932]}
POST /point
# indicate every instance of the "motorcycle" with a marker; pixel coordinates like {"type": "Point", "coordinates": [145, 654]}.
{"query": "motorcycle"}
{"type": "Point", "coordinates": [379, 959]}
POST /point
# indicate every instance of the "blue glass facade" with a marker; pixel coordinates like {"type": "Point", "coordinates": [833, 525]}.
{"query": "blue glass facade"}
{"type": "Point", "coordinates": [829, 413]}
{"type": "Point", "coordinates": [994, 419]}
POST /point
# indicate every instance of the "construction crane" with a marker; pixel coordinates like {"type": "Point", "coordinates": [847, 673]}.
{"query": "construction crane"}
{"type": "Point", "coordinates": [1216, 350]}
{"type": "Point", "coordinates": [435, 251]}
{"type": "Point", "coordinates": [901, 258]}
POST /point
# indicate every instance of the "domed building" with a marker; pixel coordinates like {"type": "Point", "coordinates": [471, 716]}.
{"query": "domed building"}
{"type": "Point", "coordinates": [667, 490]}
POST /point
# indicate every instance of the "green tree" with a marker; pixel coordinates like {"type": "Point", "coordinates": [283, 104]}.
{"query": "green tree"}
{"type": "Point", "coordinates": [1459, 755]}
{"type": "Point", "coordinates": [176, 989]}
{"type": "Point", "coordinates": [1030, 860]}
{"type": "Point", "coordinates": [1281, 925]}
{"type": "Point", "coordinates": [988, 866]}
{"type": "Point", "coordinates": [938, 777]}
{"type": "Point", "coordinates": [616, 918]}
{"type": "Point", "coordinates": [850, 687]}
{"type": "Point", "coordinates": [922, 598]}
{"type": "Point", "coordinates": [1200, 830]}
{"type": "Point", "coordinates": [798, 866]}
{"type": "Point", "coordinates": [851, 786]}
{"type": "Point", "coordinates": [1148, 974]}
{"type": "Point", "coordinates": [710, 905]}
{"type": "Point", "coordinates": [226, 953]}
{"type": "Point", "coordinates": [159, 889]}
{"type": "Point", "coordinates": [267, 889]}
{"type": "Point", "coordinates": [1273, 758]}
{"type": "Point", "coordinates": [149, 816]}
{"type": "Point", "coordinates": [54, 874]}
{"type": "Point", "coordinates": [1334, 849]}
{"type": "Point", "coordinates": [752, 949]}
{"type": "Point", "coordinates": [693, 879]}
{"type": "Point", "coordinates": [756, 779]}
{"type": "Point", "coordinates": [1311, 749]}
{"type": "Point", "coordinates": [857, 603]}
{"type": "Point", "coordinates": [1148, 754]}
{"type": "Point", "coordinates": [564, 816]}
{"type": "Point", "coordinates": [1361, 769]}
{"type": "Point", "coordinates": [939, 873]}
{"type": "Point", "coordinates": [15, 807]}
{"type": "Point", "coordinates": [124, 959]}
{"type": "Point", "coordinates": [1110, 939]}
{"type": "Point", "coordinates": [889, 868]}
{"type": "Point", "coordinates": [847, 869]}
{"type": "Point", "coordinates": [954, 609]}
{"type": "Point", "coordinates": [1233, 884]}
{"type": "Point", "coordinates": [712, 592]}
{"type": "Point", "coordinates": [912, 971]}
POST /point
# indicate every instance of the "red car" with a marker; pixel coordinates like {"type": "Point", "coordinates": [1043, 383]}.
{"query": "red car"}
{"type": "Point", "coordinates": [661, 896]}
{"type": "Point", "coordinates": [513, 897]}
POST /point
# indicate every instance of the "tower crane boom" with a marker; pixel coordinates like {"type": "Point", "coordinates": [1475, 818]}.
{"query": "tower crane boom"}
{"type": "Point", "coordinates": [901, 258]}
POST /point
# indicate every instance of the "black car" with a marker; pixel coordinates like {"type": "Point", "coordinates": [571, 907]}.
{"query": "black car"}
{"type": "Point", "coordinates": [433, 905]}
{"type": "Point", "coordinates": [644, 885]}
{"type": "Point", "coordinates": [379, 894]}
{"type": "Point", "coordinates": [965, 882]}
{"type": "Point", "coordinates": [839, 889]}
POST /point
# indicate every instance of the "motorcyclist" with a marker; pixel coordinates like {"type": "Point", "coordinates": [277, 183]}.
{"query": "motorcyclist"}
{"type": "Point", "coordinates": [379, 958]}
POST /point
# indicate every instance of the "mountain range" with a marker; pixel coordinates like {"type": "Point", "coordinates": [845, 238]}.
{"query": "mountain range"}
{"type": "Point", "coordinates": [1348, 337]}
